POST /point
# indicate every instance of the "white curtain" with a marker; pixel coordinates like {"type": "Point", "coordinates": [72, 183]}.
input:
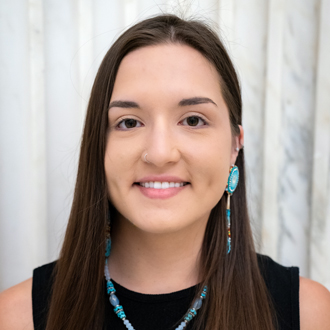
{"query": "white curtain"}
{"type": "Point", "coordinates": [49, 54]}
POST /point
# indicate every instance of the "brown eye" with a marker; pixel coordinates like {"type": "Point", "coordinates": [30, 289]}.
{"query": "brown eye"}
{"type": "Point", "coordinates": [129, 123]}
{"type": "Point", "coordinates": [194, 121]}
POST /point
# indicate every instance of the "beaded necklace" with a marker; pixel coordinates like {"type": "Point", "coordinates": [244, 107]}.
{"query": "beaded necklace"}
{"type": "Point", "coordinates": [119, 310]}
{"type": "Point", "coordinates": [192, 311]}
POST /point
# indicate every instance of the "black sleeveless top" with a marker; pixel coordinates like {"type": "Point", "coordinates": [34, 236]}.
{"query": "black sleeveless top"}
{"type": "Point", "coordinates": [163, 311]}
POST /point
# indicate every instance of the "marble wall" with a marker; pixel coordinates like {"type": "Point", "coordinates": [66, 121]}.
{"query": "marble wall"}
{"type": "Point", "coordinates": [50, 51]}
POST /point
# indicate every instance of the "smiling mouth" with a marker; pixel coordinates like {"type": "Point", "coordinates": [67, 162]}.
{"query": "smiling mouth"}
{"type": "Point", "coordinates": [161, 185]}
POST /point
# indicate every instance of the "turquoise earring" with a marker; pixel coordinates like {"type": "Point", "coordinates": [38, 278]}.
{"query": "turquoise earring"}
{"type": "Point", "coordinates": [231, 186]}
{"type": "Point", "coordinates": [107, 241]}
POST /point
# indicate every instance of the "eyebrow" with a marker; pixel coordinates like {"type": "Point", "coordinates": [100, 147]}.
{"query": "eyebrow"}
{"type": "Point", "coordinates": [182, 103]}
{"type": "Point", "coordinates": [123, 104]}
{"type": "Point", "coordinates": [195, 101]}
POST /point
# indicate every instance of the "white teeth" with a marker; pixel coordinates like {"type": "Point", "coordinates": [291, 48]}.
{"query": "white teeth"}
{"type": "Point", "coordinates": [165, 185]}
{"type": "Point", "coordinates": [157, 185]}
{"type": "Point", "coordinates": [161, 185]}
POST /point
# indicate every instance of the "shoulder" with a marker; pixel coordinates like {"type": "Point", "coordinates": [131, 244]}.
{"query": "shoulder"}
{"type": "Point", "coordinates": [277, 276]}
{"type": "Point", "coordinates": [314, 300]}
{"type": "Point", "coordinates": [16, 307]}
{"type": "Point", "coordinates": [302, 296]}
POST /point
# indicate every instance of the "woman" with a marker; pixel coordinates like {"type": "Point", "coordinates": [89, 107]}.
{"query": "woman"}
{"type": "Point", "coordinates": [162, 165]}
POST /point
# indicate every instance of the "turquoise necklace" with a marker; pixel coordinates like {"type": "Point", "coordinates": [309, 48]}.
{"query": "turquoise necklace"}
{"type": "Point", "coordinates": [192, 311]}
{"type": "Point", "coordinates": [119, 310]}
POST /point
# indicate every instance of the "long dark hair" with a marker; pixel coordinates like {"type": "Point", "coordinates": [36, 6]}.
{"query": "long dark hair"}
{"type": "Point", "coordinates": [237, 297]}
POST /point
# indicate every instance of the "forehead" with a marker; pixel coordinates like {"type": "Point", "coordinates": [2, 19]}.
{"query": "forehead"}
{"type": "Point", "coordinates": [167, 66]}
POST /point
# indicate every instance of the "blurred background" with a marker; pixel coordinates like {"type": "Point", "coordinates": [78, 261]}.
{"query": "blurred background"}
{"type": "Point", "coordinates": [49, 53]}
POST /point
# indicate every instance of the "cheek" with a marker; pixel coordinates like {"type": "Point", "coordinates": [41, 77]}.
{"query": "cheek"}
{"type": "Point", "coordinates": [118, 163]}
{"type": "Point", "coordinates": [215, 156]}
{"type": "Point", "coordinates": [217, 176]}
{"type": "Point", "coordinates": [211, 170]}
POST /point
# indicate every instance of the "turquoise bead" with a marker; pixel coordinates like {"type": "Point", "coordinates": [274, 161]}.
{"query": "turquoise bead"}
{"type": "Point", "coordinates": [121, 315]}
{"type": "Point", "coordinates": [109, 290]}
{"type": "Point", "coordinates": [117, 308]}
{"type": "Point", "coordinates": [107, 247]}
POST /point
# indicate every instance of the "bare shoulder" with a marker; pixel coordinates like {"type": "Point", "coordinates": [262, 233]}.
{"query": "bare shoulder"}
{"type": "Point", "coordinates": [314, 305]}
{"type": "Point", "coordinates": [16, 307]}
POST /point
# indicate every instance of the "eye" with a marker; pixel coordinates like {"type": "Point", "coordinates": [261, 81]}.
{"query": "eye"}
{"type": "Point", "coordinates": [194, 121]}
{"type": "Point", "coordinates": [129, 123]}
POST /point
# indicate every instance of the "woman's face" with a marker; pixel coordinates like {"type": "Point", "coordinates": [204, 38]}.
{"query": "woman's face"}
{"type": "Point", "coordinates": [167, 103]}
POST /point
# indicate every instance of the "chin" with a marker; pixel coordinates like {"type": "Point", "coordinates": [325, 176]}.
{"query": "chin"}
{"type": "Point", "coordinates": [158, 227]}
{"type": "Point", "coordinates": [163, 225]}
{"type": "Point", "coordinates": [151, 223]}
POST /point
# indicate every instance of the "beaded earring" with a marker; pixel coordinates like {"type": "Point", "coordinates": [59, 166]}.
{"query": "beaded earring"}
{"type": "Point", "coordinates": [107, 241]}
{"type": "Point", "coordinates": [230, 188]}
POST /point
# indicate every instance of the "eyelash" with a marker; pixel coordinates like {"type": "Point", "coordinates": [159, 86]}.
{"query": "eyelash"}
{"type": "Point", "coordinates": [124, 129]}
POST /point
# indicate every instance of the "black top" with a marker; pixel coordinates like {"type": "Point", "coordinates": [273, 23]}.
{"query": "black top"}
{"type": "Point", "coordinates": [163, 311]}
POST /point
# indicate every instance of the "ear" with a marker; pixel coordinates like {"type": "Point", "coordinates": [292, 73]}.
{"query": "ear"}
{"type": "Point", "coordinates": [238, 142]}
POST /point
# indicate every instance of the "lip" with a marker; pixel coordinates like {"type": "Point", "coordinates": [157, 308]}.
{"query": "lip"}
{"type": "Point", "coordinates": [160, 193]}
{"type": "Point", "coordinates": [161, 178]}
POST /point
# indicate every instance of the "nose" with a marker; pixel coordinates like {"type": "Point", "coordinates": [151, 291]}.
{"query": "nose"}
{"type": "Point", "coordinates": [162, 146]}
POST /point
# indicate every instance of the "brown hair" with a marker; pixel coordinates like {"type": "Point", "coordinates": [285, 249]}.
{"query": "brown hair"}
{"type": "Point", "coordinates": [237, 295]}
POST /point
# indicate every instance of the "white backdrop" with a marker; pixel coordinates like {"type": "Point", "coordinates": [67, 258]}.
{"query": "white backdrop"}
{"type": "Point", "coordinates": [49, 53]}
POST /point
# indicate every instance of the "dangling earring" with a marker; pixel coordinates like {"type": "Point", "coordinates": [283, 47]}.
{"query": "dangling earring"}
{"type": "Point", "coordinates": [231, 186]}
{"type": "Point", "coordinates": [107, 240]}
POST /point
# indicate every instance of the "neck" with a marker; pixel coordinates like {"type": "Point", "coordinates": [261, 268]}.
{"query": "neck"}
{"type": "Point", "coordinates": [155, 263]}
